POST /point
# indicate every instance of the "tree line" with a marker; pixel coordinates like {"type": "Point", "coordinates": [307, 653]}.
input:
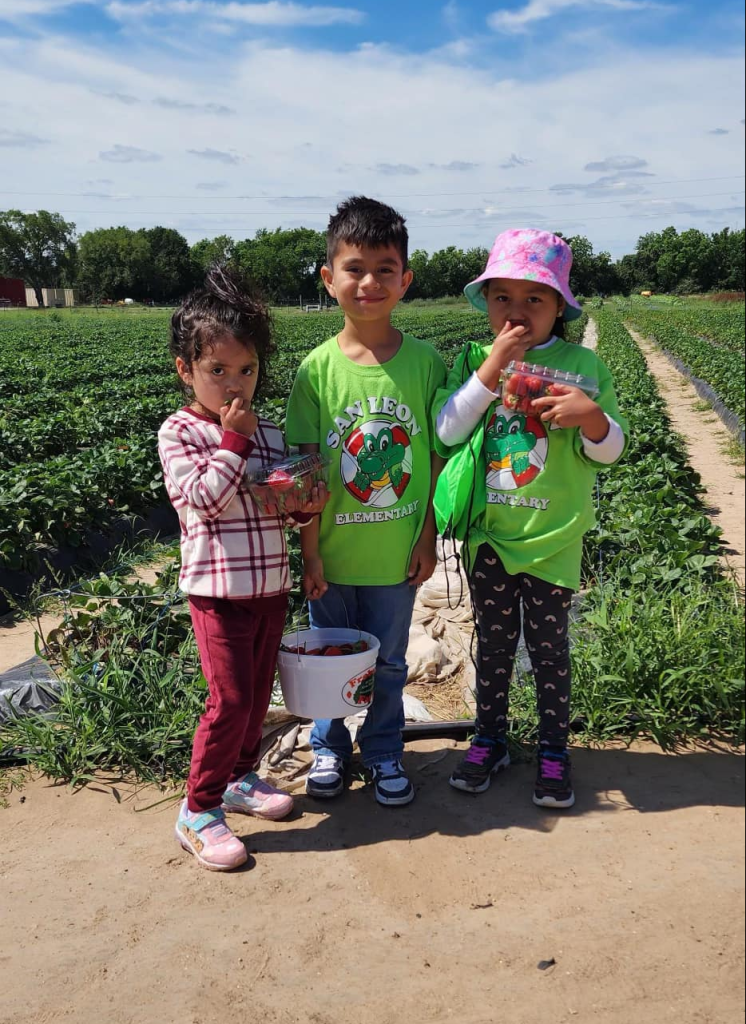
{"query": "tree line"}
{"type": "Point", "coordinates": [158, 265]}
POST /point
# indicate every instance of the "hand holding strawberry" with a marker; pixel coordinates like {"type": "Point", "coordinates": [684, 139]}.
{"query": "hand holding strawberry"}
{"type": "Point", "coordinates": [571, 407]}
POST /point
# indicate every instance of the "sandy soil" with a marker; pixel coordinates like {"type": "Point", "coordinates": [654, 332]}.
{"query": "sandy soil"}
{"type": "Point", "coordinates": [705, 437]}
{"type": "Point", "coordinates": [352, 912]}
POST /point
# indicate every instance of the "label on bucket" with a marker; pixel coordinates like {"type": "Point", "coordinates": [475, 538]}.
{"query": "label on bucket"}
{"type": "Point", "coordinates": [358, 692]}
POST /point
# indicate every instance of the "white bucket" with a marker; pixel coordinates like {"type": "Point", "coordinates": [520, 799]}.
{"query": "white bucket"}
{"type": "Point", "coordinates": [335, 687]}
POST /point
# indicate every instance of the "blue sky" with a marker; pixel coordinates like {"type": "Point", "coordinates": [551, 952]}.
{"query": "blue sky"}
{"type": "Point", "coordinates": [608, 118]}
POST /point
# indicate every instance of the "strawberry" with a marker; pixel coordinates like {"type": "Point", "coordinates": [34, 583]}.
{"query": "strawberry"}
{"type": "Point", "coordinates": [534, 386]}
{"type": "Point", "coordinates": [556, 389]}
{"type": "Point", "coordinates": [332, 652]}
{"type": "Point", "coordinates": [280, 481]}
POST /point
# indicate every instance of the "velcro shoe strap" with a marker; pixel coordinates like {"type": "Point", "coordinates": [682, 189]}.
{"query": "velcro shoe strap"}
{"type": "Point", "coordinates": [205, 818]}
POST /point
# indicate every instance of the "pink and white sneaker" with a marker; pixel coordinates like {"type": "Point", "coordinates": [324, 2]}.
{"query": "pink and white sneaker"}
{"type": "Point", "coordinates": [252, 795]}
{"type": "Point", "coordinates": [206, 836]}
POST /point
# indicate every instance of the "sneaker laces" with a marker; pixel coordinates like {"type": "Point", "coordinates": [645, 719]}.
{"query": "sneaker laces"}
{"type": "Point", "coordinates": [389, 769]}
{"type": "Point", "coordinates": [478, 753]}
{"type": "Point", "coordinates": [325, 763]}
{"type": "Point", "coordinates": [552, 767]}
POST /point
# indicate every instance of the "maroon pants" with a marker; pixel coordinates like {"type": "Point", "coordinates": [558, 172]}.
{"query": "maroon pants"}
{"type": "Point", "coordinates": [238, 643]}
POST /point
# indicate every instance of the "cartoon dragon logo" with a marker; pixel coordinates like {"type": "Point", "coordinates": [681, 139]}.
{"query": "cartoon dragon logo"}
{"type": "Point", "coordinates": [515, 445]}
{"type": "Point", "coordinates": [376, 463]}
{"type": "Point", "coordinates": [380, 461]}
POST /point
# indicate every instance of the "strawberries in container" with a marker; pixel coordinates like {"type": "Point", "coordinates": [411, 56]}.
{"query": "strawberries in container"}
{"type": "Point", "coordinates": [524, 382]}
{"type": "Point", "coordinates": [284, 486]}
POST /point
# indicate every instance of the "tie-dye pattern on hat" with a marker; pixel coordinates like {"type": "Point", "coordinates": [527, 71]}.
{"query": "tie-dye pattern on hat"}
{"type": "Point", "coordinates": [525, 254]}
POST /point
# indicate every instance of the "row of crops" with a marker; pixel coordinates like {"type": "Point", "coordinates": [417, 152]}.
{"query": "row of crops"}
{"type": "Point", "coordinates": [708, 339]}
{"type": "Point", "coordinates": [658, 647]}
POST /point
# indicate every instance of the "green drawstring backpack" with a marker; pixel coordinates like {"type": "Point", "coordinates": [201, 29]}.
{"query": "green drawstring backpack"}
{"type": "Point", "coordinates": [461, 492]}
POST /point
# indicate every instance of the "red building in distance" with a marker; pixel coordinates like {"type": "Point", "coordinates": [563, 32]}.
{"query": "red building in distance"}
{"type": "Point", "coordinates": [12, 291]}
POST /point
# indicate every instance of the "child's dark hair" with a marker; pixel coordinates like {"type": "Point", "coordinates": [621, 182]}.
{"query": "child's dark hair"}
{"type": "Point", "coordinates": [363, 221]}
{"type": "Point", "coordinates": [227, 303]}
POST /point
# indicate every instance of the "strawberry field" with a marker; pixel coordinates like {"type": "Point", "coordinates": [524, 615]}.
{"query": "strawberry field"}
{"type": "Point", "coordinates": [658, 646]}
{"type": "Point", "coordinates": [707, 339]}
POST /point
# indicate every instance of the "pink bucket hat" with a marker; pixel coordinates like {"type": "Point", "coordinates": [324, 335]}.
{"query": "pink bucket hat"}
{"type": "Point", "coordinates": [528, 255]}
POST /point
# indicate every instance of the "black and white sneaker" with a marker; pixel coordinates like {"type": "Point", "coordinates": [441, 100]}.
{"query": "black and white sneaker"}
{"type": "Point", "coordinates": [391, 785]}
{"type": "Point", "coordinates": [326, 777]}
{"type": "Point", "coordinates": [554, 780]}
{"type": "Point", "coordinates": [484, 758]}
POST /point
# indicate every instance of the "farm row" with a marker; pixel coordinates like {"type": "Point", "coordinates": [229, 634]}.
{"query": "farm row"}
{"type": "Point", "coordinates": [708, 340]}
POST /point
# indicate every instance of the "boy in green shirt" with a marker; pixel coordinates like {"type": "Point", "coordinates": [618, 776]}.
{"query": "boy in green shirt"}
{"type": "Point", "coordinates": [364, 398]}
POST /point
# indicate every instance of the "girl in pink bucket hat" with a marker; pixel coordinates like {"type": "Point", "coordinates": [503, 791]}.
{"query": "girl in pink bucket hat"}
{"type": "Point", "coordinates": [517, 489]}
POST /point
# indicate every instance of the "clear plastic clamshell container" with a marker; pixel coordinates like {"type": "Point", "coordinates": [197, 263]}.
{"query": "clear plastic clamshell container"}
{"type": "Point", "coordinates": [294, 477]}
{"type": "Point", "coordinates": [523, 382]}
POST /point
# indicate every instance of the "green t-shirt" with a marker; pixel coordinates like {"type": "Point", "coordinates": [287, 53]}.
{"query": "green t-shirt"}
{"type": "Point", "coordinates": [375, 424]}
{"type": "Point", "coordinates": [538, 479]}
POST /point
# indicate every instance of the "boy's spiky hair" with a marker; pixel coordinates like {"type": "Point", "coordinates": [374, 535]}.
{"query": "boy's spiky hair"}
{"type": "Point", "coordinates": [363, 221]}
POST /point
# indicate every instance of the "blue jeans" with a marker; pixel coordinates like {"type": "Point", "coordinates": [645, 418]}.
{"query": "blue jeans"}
{"type": "Point", "coordinates": [386, 612]}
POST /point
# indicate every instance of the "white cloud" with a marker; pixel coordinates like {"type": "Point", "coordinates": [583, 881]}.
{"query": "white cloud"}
{"type": "Point", "coordinates": [20, 140]}
{"type": "Point", "coordinates": [514, 161]}
{"type": "Point", "coordinates": [394, 169]}
{"type": "Point", "coordinates": [425, 112]}
{"type": "Point", "coordinates": [617, 163]}
{"type": "Point", "coordinates": [216, 154]}
{"type": "Point", "coordinates": [129, 155]}
{"type": "Point", "coordinates": [272, 14]}
{"type": "Point", "coordinates": [451, 15]}
{"type": "Point", "coordinates": [15, 10]}
{"type": "Point", "coordinates": [539, 10]}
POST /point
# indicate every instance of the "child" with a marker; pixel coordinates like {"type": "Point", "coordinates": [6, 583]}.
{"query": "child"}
{"type": "Point", "coordinates": [234, 560]}
{"type": "Point", "coordinates": [364, 399]}
{"type": "Point", "coordinates": [527, 501]}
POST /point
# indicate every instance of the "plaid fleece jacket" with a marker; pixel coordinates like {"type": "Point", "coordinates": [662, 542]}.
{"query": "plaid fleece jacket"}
{"type": "Point", "coordinates": [229, 549]}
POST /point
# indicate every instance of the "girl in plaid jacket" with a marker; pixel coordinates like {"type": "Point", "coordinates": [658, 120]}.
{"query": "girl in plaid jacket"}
{"type": "Point", "coordinates": [234, 558]}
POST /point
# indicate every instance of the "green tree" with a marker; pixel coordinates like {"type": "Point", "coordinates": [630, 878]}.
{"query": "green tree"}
{"type": "Point", "coordinates": [114, 263]}
{"type": "Point", "coordinates": [38, 247]}
{"type": "Point", "coordinates": [284, 264]}
{"type": "Point", "coordinates": [419, 263]}
{"type": "Point", "coordinates": [208, 251]}
{"type": "Point", "coordinates": [171, 270]}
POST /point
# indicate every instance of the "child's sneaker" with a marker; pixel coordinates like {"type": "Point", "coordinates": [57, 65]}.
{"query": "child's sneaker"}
{"type": "Point", "coordinates": [206, 835]}
{"type": "Point", "coordinates": [390, 783]}
{"type": "Point", "coordinates": [554, 779]}
{"type": "Point", "coordinates": [326, 777]}
{"type": "Point", "coordinates": [252, 795]}
{"type": "Point", "coordinates": [484, 758]}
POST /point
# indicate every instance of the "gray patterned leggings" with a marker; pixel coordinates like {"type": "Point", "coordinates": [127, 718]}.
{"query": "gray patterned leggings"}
{"type": "Point", "coordinates": [497, 598]}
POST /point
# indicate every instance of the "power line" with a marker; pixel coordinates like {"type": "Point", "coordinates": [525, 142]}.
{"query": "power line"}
{"type": "Point", "coordinates": [337, 195]}
{"type": "Point", "coordinates": [317, 213]}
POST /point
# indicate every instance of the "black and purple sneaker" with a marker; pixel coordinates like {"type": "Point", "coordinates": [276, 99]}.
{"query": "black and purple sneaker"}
{"type": "Point", "coordinates": [554, 779]}
{"type": "Point", "coordinates": [484, 758]}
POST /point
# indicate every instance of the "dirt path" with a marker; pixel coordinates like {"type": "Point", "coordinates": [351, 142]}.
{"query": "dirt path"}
{"type": "Point", "coordinates": [437, 912]}
{"type": "Point", "coordinates": [704, 437]}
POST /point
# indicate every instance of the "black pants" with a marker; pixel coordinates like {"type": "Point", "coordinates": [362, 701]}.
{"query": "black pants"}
{"type": "Point", "coordinates": [497, 598]}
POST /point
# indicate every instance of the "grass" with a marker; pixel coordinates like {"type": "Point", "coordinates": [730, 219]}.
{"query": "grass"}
{"type": "Point", "coordinates": [10, 779]}
{"type": "Point", "coordinates": [702, 406]}
{"type": "Point", "coordinates": [734, 451]}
